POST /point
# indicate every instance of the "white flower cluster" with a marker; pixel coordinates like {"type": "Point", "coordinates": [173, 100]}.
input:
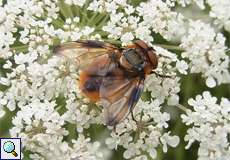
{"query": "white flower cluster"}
{"type": "Point", "coordinates": [34, 88]}
{"type": "Point", "coordinates": [43, 89]}
{"type": "Point", "coordinates": [206, 52]}
{"type": "Point", "coordinates": [41, 128]}
{"type": "Point", "coordinates": [211, 127]}
{"type": "Point", "coordinates": [30, 80]}
{"type": "Point", "coordinates": [220, 11]}
{"type": "Point", "coordinates": [71, 31]}
{"type": "Point", "coordinates": [159, 17]}
{"type": "Point", "coordinates": [148, 136]}
{"type": "Point", "coordinates": [81, 113]}
{"type": "Point", "coordinates": [37, 122]}
{"type": "Point", "coordinates": [166, 88]}
{"type": "Point", "coordinates": [22, 16]}
{"type": "Point", "coordinates": [37, 118]}
{"type": "Point", "coordinates": [53, 147]}
{"type": "Point", "coordinates": [34, 82]}
{"type": "Point", "coordinates": [153, 16]}
{"type": "Point", "coordinates": [183, 3]}
{"type": "Point", "coordinates": [109, 6]}
{"type": "Point", "coordinates": [7, 29]}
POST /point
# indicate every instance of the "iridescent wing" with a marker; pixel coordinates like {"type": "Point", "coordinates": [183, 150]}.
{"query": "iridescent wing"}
{"type": "Point", "coordinates": [119, 93]}
{"type": "Point", "coordinates": [84, 52]}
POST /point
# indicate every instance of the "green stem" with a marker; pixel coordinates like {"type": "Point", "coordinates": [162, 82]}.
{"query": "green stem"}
{"type": "Point", "coordinates": [182, 108]}
{"type": "Point", "coordinates": [99, 18]}
{"type": "Point", "coordinates": [86, 5]}
{"type": "Point", "coordinates": [228, 51]}
{"type": "Point", "coordinates": [170, 47]}
{"type": "Point", "coordinates": [72, 132]}
{"type": "Point", "coordinates": [102, 23]}
{"type": "Point", "coordinates": [76, 10]}
{"type": "Point", "coordinates": [102, 33]}
{"type": "Point", "coordinates": [85, 19]}
{"type": "Point", "coordinates": [91, 20]}
{"type": "Point", "coordinates": [58, 23]}
{"type": "Point", "coordinates": [22, 48]}
{"type": "Point", "coordinates": [65, 9]}
{"type": "Point", "coordinates": [118, 42]}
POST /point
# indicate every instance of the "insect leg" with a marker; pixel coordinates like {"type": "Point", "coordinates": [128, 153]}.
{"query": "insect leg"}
{"type": "Point", "coordinates": [133, 116]}
{"type": "Point", "coordinates": [114, 128]}
{"type": "Point", "coordinates": [161, 75]}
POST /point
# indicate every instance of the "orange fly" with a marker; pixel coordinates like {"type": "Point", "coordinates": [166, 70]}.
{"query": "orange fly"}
{"type": "Point", "coordinates": [112, 75]}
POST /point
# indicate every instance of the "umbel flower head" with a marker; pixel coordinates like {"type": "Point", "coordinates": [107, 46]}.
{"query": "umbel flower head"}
{"type": "Point", "coordinates": [41, 100]}
{"type": "Point", "coordinates": [211, 126]}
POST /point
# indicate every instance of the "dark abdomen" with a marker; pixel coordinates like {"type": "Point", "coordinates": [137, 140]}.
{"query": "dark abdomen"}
{"type": "Point", "coordinates": [91, 78]}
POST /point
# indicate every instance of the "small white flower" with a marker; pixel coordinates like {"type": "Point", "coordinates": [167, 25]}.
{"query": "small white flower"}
{"type": "Point", "coordinates": [4, 81]}
{"type": "Point", "coordinates": [173, 100]}
{"type": "Point", "coordinates": [172, 141]}
{"type": "Point", "coordinates": [127, 38]}
{"type": "Point", "coordinates": [7, 65]}
{"type": "Point", "coordinates": [2, 113]}
{"type": "Point", "coordinates": [182, 66]}
{"type": "Point", "coordinates": [210, 82]}
{"type": "Point", "coordinates": [75, 2]}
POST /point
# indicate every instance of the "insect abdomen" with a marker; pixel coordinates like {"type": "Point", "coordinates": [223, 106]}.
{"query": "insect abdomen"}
{"type": "Point", "coordinates": [90, 86]}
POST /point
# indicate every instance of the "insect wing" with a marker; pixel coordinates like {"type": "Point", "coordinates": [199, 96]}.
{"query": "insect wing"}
{"type": "Point", "coordinates": [119, 95]}
{"type": "Point", "coordinates": [83, 53]}
{"type": "Point", "coordinates": [91, 77]}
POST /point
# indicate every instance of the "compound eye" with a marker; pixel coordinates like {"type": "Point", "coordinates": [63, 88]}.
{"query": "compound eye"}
{"type": "Point", "coordinates": [150, 52]}
{"type": "Point", "coordinates": [133, 57]}
{"type": "Point", "coordinates": [125, 63]}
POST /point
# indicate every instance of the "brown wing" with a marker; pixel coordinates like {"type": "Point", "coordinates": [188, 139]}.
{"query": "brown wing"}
{"type": "Point", "coordinates": [91, 77]}
{"type": "Point", "coordinates": [119, 94]}
{"type": "Point", "coordinates": [84, 52]}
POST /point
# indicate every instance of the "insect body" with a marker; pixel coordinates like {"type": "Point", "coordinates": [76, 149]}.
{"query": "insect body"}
{"type": "Point", "coordinates": [115, 76]}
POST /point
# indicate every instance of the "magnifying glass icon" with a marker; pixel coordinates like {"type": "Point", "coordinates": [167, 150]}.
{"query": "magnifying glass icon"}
{"type": "Point", "coordinates": [9, 147]}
